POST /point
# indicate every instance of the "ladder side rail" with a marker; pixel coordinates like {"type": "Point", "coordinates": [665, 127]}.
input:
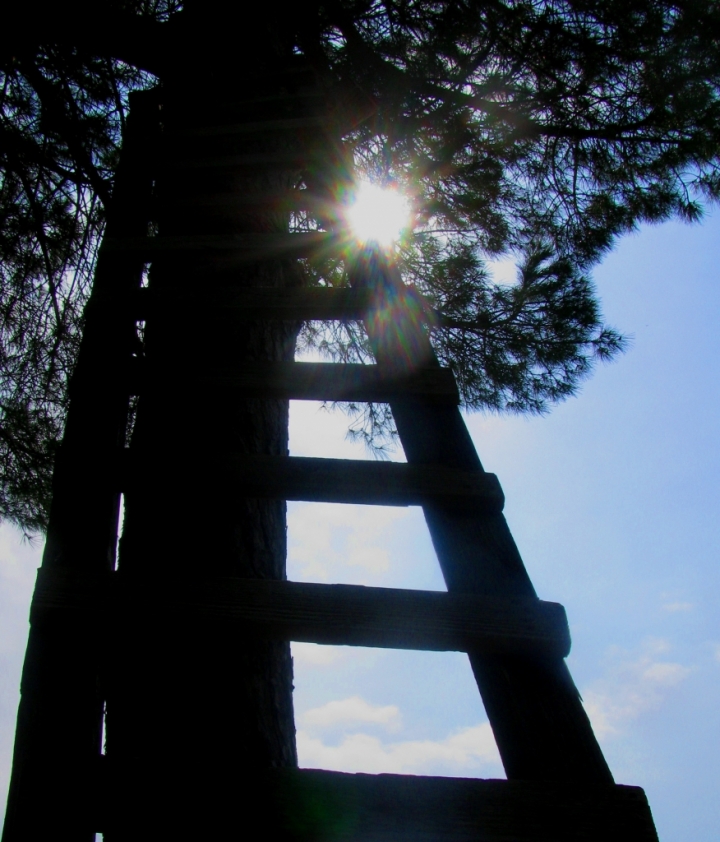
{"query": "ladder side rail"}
{"type": "Point", "coordinates": [541, 728]}
{"type": "Point", "coordinates": [59, 726]}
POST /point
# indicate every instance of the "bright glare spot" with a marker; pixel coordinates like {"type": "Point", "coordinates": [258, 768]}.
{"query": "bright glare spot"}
{"type": "Point", "coordinates": [378, 214]}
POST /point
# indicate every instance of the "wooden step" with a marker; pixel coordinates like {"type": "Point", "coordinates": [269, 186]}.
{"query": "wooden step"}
{"type": "Point", "coordinates": [305, 95]}
{"type": "Point", "coordinates": [241, 246]}
{"type": "Point", "coordinates": [289, 125]}
{"type": "Point", "coordinates": [287, 201]}
{"type": "Point", "coordinates": [300, 103]}
{"type": "Point", "coordinates": [339, 615]}
{"type": "Point", "coordinates": [308, 304]}
{"type": "Point", "coordinates": [337, 807]}
{"type": "Point", "coordinates": [252, 160]}
{"type": "Point", "coordinates": [309, 381]}
{"type": "Point", "coordinates": [312, 480]}
{"type": "Point", "coordinates": [312, 805]}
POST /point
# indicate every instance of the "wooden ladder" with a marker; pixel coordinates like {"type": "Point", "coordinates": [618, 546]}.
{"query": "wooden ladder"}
{"type": "Point", "coordinates": [559, 786]}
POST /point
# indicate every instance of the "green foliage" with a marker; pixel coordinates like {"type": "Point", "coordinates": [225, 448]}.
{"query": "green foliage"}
{"type": "Point", "coordinates": [539, 129]}
{"type": "Point", "coordinates": [61, 116]}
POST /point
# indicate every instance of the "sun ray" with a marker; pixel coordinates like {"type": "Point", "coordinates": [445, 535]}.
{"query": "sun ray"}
{"type": "Point", "coordinates": [378, 215]}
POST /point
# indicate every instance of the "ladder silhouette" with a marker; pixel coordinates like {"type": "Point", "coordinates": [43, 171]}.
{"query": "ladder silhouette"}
{"type": "Point", "coordinates": [559, 786]}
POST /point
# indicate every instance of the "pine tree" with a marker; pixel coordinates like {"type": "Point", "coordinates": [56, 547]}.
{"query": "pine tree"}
{"type": "Point", "coordinates": [543, 130]}
{"type": "Point", "coordinates": [539, 130]}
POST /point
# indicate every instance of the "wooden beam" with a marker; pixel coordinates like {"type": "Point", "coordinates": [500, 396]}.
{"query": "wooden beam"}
{"type": "Point", "coordinates": [312, 805]}
{"type": "Point", "coordinates": [314, 480]}
{"type": "Point", "coordinates": [337, 807]}
{"type": "Point", "coordinates": [242, 246]}
{"type": "Point", "coordinates": [282, 201]}
{"type": "Point", "coordinates": [291, 124]}
{"type": "Point", "coordinates": [309, 381]}
{"type": "Point", "coordinates": [254, 159]}
{"type": "Point", "coordinates": [314, 303]}
{"type": "Point", "coordinates": [340, 615]}
{"type": "Point", "coordinates": [308, 304]}
{"type": "Point", "coordinates": [302, 304]}
{"type": "Point", "coordinates": [60, 715]}
{"type": "Point", "coordinates": [541, 728]}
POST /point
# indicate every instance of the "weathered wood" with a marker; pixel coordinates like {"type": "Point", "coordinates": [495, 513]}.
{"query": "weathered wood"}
{"type": "Point", "coordinates": [541, 728]}
{"type": "Point", "coordinates": [310, 805]}
{"type": "Point", "coordinates": [302, 97]}
{"type": "Point", "coordinates": [312, 480]}
{"type": "Point", "coordinates": [249, 159]}
{"type": "Point", "coordinates": [242, 246]}
{"type": "Point", "coordinates": [314, 303]}
{"type": "Point", "coordinates": [337, 807]}
{"type": "Point", "coordinates": [285, 201]}
{"type": "Point", "coordinates": [309, 381]}
{"type": "Point", "coordinates": [299, 304]}
{"type": "Point", "coordinates": [340, 615]}
{"type": "Point", "coordinates": [290, 124]}
{"type": "Point", "coordinates": [59, 725]}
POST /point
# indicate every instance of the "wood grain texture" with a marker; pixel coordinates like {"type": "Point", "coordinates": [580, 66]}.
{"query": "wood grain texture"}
{"type": "Point", "coordinates": [299, 304]}
{"type": "Point", "coordinates": [244, 246]}
{"type": "Point", "coordinates": [393, 808]}
{"type": "Point", "coordinates": [291, 124]}
{"type": "Point", "coordinates": [310, 381]}
{"type": "Point", "coordinates": [311, 480]}
{"type": "Point", "coordinates": [541, 728]}
{"type": "Point", "coordinates": [250, 159]}
{"type": "Point", "coordinates": [309, 805]}
{"type": "Point", "coordinates": [315, 303]}
{"type": "Point", "coordinates": [281, 201]}
{"type": "Point", "coordinates": [337, 615]}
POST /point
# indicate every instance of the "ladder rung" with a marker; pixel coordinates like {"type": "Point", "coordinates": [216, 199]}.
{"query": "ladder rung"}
{"type": "Point", "coordinates": [291, 97]}
{"type": "Point", "coordinates": [339, 615]}
{"type": "Point", "coordinates": [339, 807]}
{"type": "Point", "coordinates": [253, 159]}
{"type": "Point", "coordinates": [309, 304]}
{"type": "Point", "coordinates": [240, 105]}
{"type": "Point", "coordinates": [316, 480]}
{"type": "Point", "coordinates": [312, 381]}
{"type": "Point", "coordinates": [246, 246]}
{"type": "Point", "coordinates": [298, 805]}
{"type": "Point", "coordinates": [290, 124]}
{"type": "Point", "coordinates": [278, 200]}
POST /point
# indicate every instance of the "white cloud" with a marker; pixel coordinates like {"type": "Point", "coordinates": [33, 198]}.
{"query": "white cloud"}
{"type": "Point", "coordinates": [351, 711]}
{"type": "Point", "coordinates": [470, 751]}
{"type": "Point", "coordinates": [674, 607]}
{"type": "Point", "coordinates": [334, 542]}
{"type": "Point", "coordinates": [634, 684]}
{"type": "Point", "coordinates": [314, 655]}
{"type": "Point", "coordinates": [317, 430]}
{"type": "Point", "coordinates": [467, 751]}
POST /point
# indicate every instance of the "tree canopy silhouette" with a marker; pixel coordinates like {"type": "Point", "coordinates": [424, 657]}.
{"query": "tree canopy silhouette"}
{"type": "Point", "coordinates": [541, 130]}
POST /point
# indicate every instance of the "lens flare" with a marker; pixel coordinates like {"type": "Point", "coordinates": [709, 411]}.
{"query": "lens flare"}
{"type": "Point", "coordinates": [378, 214]}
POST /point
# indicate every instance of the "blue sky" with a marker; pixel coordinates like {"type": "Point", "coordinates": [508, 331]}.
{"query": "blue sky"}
{"type": "Point", "coordinates": [613, 501]}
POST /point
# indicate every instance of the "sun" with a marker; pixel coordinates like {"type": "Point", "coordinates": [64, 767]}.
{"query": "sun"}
{"type": "Point", "coordinates": [378, 215]}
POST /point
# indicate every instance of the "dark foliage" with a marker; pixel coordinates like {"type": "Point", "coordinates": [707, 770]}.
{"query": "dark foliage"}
{"type": "Point", "coordinates": [541, 130]}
